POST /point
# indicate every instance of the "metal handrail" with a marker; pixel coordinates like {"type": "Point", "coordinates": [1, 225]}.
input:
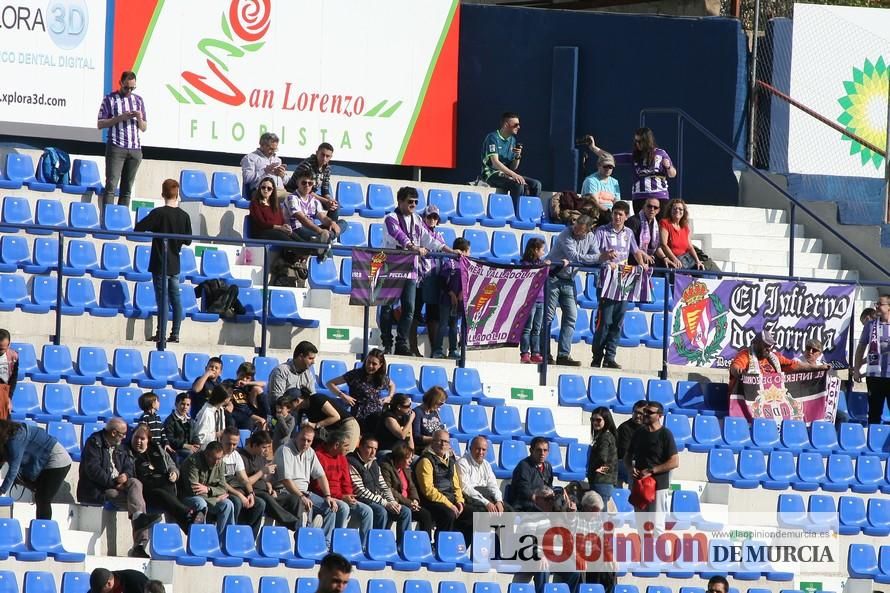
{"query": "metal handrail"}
{"type": "Point", "coordinates": [682, 117]}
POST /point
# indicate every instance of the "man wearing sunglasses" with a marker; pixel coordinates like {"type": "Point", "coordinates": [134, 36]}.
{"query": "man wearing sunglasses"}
{"type": "Point", "coordinates": [500, 160]}
{"type": "Point", "coordinates": [405, 229]}
{"type": "Point", "coordinates": [644, 225]}
{"type": "Point", "coordinates": [319, 166]}
{"type": "Point", "coordinates": [122, 113]}
{"type": "Point", "coordinates": [601, 188]}
{"type": "Point", "coordinates": [653, 452]}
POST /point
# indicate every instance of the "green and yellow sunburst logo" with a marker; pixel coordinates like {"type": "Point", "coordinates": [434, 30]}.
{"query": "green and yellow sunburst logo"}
{"type": "Point", "coordinates": [865, 110]}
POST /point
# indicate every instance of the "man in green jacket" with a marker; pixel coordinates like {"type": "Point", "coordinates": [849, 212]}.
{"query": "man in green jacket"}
{"type": "Point", "coordinates": [202, 475]}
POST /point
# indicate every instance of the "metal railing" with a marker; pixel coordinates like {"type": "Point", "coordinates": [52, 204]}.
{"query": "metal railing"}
{"type": "Point", "coordinates": [684, 118]}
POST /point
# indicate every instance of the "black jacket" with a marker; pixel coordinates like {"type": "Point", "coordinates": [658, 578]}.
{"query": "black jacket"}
{"type": "Point", "coordinates": [527, 479]}
{"type": "Point", "coordinates": [95, 468]}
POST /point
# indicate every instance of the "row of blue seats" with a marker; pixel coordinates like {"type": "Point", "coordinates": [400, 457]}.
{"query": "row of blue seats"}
{"type": "Point", "coordinates": [850, 514]}
{"type": "Point", "coordinates": [19, 170]}
{"type": "Point", "coordinates": [80, 297]}
{"type": "Point", "coordinates": [690, 398]}
{"type": "Point", "coordinates": [864, 562]}
{"type": "Point", "coordinates": [636, 329]}
{"type": "Point", "coordinates": [81, 215]}
{"type": "Point", "coordinates": [39, 581]}
{"type": "Point", "coordinates": [91, 366]}
{"type": "Point", "coordinates": [267, 584]}
{"type": "Point", "coordinates": [44, 541]}
{"type": "Point", "coordinates": [777, 471]}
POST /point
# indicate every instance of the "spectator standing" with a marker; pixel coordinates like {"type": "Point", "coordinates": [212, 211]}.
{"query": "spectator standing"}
{"type": "Point", "coordinates": [531, 474]}
{"type": "Point", "coordinates": [761, 358]}
{"type": "Point", "coordinates": [813, 352]}
{"type": "Point", "coordinates": [158, 473]}
{"type": "Point", "coordinates": [405, 229]}
{"type": "Point", "coordinates": [647, 231]}
{"type": "Point", "coordinates": [296, 372]}
{"type": "Point", "coordinates": [438, 483]}
{"type": "Point", "coordinates": [396, 423]}
{"type": "Point", "coordinates": [653, 452]}
{"type": "Point", "coordinates": [372, 490]}
{"type": "Point", "coordinates": [203, 386]}
{"type": "Point", "coordinates": [9, 372]}
{"type": "Point", "coordinates": [426, 421]}
{"type": "Point", "coordinates": [103, 580]}
{"type": "Point", "coordinates": [601, 188]}
{"type": "Point", "coordinates": [149, 403]}
{"type": "Point", "coordinates": [35, 459]}
{"type": "Point", "coordinates": [264, 162]}
{"type": "Point", "coordinates": [256, 455]}
{"type": "Point", "coordinates": [178, 428]}
{"type": "Point", "coordinates": [574, 245]}
{"type": "Point", "coordinates": [652, 167]}
{"type": "Point", "coordinates": [616, 245]}
{"type": "Point", "coordinates": [122, 113]}
{"type": "Point", "coordinates": [873, 350]}
{"type": "Point", "coordinates": [530, 342]}
{"type": "Point", "coordinates": [169, 219]}
{"type": "Point", "coordinates": [202, 484]}
{"type": "Point", "coordinates": [332, 459]}
{"type": "Point", "coordinates": [318, 166]}
{"type": "Point", "coordinates": [602, 459]}
{"type": "Point", "coordinates": [107, 474]}
{"type": "Point", "coordinates": [249, 509]}
{"type": "Point", "coordinates": [450, 301]}
{"type": "Point", "coordinates": [501, 156]}
{"type": "Point", "coordinates": [370, 388]}
{"type": "Point", "coordinates": [397, 473]}
{"type": "Point", "coordinates": [429, 285]}
{"type": "Point", "coordinates": [211, 420]}
{"type": "Point", "coordinates": [296, 466]}
{"type": "Point", "coordinates": [622, 439]}
{"type": "Point", "coordinates": [480, 487]}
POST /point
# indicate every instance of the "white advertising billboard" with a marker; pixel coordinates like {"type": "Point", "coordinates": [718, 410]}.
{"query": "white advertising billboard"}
{"type": "Point", "coordinates": [52, 62]}
{"type": "Point", "coordinates": [839, 69]}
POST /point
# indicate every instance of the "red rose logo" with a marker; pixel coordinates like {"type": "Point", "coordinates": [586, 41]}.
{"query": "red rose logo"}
{"type": "Point", "coordinates": [250, 18]}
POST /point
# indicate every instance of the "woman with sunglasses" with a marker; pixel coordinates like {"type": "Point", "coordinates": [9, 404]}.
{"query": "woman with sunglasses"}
{"type": "Point", "coordinates": [266, 217]}
{"type": "Point", "coordinates": [652, 167]}
{"type": "Point", "coordinates": [676, 243]}
{"type": "Point", "coordinates": [602, 459]}
{"type": "Point", "coordinates": [395, 424]}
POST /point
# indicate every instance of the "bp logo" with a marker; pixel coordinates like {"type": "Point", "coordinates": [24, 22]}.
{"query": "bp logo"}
{"type": "Point", "coordinates": [700, 327]}
{"type": "Point", "coordinates": [865, 110]}
{"type": "Point", "coordinates": [483, 306]}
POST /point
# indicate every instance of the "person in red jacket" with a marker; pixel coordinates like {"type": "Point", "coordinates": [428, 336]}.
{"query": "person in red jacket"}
{"type": "Point", "coordinates": [266, 217]}
{"type": "Point", "coordinates": [333, 460]}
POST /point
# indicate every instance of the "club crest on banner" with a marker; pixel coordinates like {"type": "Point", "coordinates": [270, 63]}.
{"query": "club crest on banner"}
{"type": "Point", "coordinates": [700, 326]}
{"type": "Point", "coordinates": [775, 402]}
{"type": "Point", "coordinates": [484, 306]}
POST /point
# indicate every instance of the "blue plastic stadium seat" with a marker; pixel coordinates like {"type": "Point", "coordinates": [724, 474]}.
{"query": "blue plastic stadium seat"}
{"type": "Point", "coordinates": [601, 391]}
{"type": "Point", "coordinates": [15, 253]}
{"type": "Point", "coordinates": [264, 366]}
{"type": "Point", "coordinates": [540, 422]}
{"type": "Point", "coordinates": [306, 585]}
{"type": "Point", "coordinates": [792, 511]}
{"type": "Point", "coordinates": [662, 391]}
{"type": "Point", "coordinates": [95, 403]}
{"type": "Point", "coordinates": [237, 584]}
{"type": "Point", "coordinates": [794, 436]}
{"type": "Point", "coordinates": [39, 581]}
{"type": "Point", "coordinates": [432, 375]}
{"type": "Point", "coordinates": [403, 377]}
{"type": "Point", "coordinates": [630, 390]}
{"type": "Point", "coordinates": [12, 543]}
{"type": "Point", "coordinates": [215, 264]}
{"type": "Point", "coordinates": [163, 366]}
{"type": "Point", "coordinates": [17, 211]}
{"type": "Point", "coordinates": [203, 541]}
{"type": "Point", "coordinates": [58, 403]}
{"type": "Point", "coordinates": [780, 470]}
{"type": "Point", "coordinates": [20, 168]}
{"type": "Point", "coordinates": [375, 235]}
{"type": "Point", "coordinates": [278, 543]}
{"type": "Point", "coordinates": [572, 391]}
{"type": "Point", "coordinates": [852, 517]}
{"type": "Point", "coordinates": [736, 433]}
{"type": "Point", "coordinates": [448, 234]}
{"type": "Point", "coordinates": [81, 258]}
{"type": "Point", "coordinates": [504, 247]}
{"type": "Point", "coordinates": [443, 199]}
{"type": "Point", "coordinates": [225, 188]}
{"type": "Point", "coordinates": [449, 420]}
{"type": "Point", "coordinates": [45, 256]}
{"type": "Point", "coordinates": [810, 471]}
{"type": "Point", "coordinates": [55, 362]}
{"type": "Point", "coordinates": [510, 454]}
{"type": "Point", "coordinates": [27, 355]}
{"type": "Point", "coordinates": [49, 213]}
{"type": "Point", "coordinates": [311, 544]}
{"type": "Point", "coordinates": [752, 468]}
{"type": "Point", "coordinates": [166, 544]}
{"type": "Point", "coordinates": [82, 215]}
{"type": "Point", "coordinates": [506, 423]}
{"type": "Point", "coordinates": [722, 467]}
{"type": "Point", "coordinates": [139, 270]}
{"type": "Point", "coordinates": [323, 274]}
{"type": "Point", "coordinates": [381, 586]}
{"type": "Point", "coordinates": [239, 543]}
{"type": "Point", "coordinates": [354, 235]}
{"type": "Point", "coordinates": [686, 510]}
{"type": "Point", "coordinates": [230, 364]}
{"type": "Point", "coordinates": [65, 433]}
{"type": "Point", "coordinates": [878, 435]}
{"type": "Point", "coordinates": [467, 383]}
{"type": "Point", "coordinates": [350, 197]}
{"type": "Point", "coordinates": [80, 297]}
{"type": "Point", "coordinates": [75, 582]}
{"type": "Point", "coordinates": [84, 177]}
{"type": "Point", "coordinates": [380, 201]}
{"type": "Point", "coordinates": [500, 210]}
{"type": "Point", "coordinates": [274, 585]}
{"type": "Point", "coordinates": [25, 404]}
{"type": "Point", "coordinates": [13, 293]}
{"type": "Point", "coordinates": [657, 305]}
{"type": "Point", "coordinates": [193, 186]}
{"type": "Point", "coordinates": [188, 265]}
{"type": "Point", "coordinates": [348, 544]}
{"type": "Point", "coordinates": [878, 516]}
{"type": "Point", "coordinates": [116, 295]}
{"type": "Point", "coordinates": [126, 403]}
{"type": "Point", "coordinates": [693, 395]}
{"type": "Point", "coordinates": [193, 365]}
{"type": "Point", "coordinates": [656, 331]}
{"type": "Point", "coordinates": [44, 536]}
{"type": "Point", "coordinates": [529, 213]}
{"type": "Point", "coordinates": [679, 427]}
{"type": "Point", "coordinates": [851, 439]}
{"type": "Point", "coordinates": [480, 243]}
{"type": "Point", "coordinates": [862, 561]}
{"type": "Point", "coordinates": [117, 218]}
{"type": "Point", "coordinates": [451, 547]}
{"type": "Point", "coordinates": [416, 547]}
{"type": "Point", "coordinates": [470, 208]}
{"type": "Point", "coordinates": [283, 309]}
{"type": "Point", "coordinates": [344, 283]}
{"type": "Point", "coordinates": [765, 434]}
{"type": "Point", "coordinates": [823, 437]}
{"type": "Point", "coordinates": [634, 329]}
{"type": "Point", "coordinates": [473, 421]}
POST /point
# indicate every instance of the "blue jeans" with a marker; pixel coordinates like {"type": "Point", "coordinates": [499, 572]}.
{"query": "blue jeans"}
{"type": "Point", "coordinates": [172, 299]}
{"type": "Point", "coordinates": [252, 517]}
{"type": "Point", "coordinates": [447, 323]}
{"type": "Point", "coordinates": [364, 515]}
{"type": "Point", "coordinates": [224, 511]}
{"type": "Point", "coordinates": [409, 294]}
{"type": "Point", "coordinates": [531, 335]}
{"type": "Point", "coordinates": [605, 492]}
{"type": "Point", "coordinates": [532, 186]}
{"type": "Point", "coordinates": [329, 518]}
{"type": "Point", "coordinates": [383, 519]}
{"type": "Point", "coordinates": [562, 291]}
{"type": "Point", "coordinates": [609, 316]}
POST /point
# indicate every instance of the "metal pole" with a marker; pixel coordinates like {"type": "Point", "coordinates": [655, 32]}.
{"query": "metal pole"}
{"type": "Point", "coordinates": [464, 331]}
{"type": "Point", "coordinates": [668, 291]}
{"type": "Point", "coordinates": [792, 217]}
{"type": "Point", "coordinates": [545, 334]}
{"type": "Point", "coordinates": [851, 351]}
{"type": "Point", "coordinates": [57, 338]}
{"type": "Point", "coordinates": [264, 319]}
{"type": "Point", "coordinates": [366, 331]}
{"type": "Point", "coordinates": [887, 161]}
{"type": "Point", "coordinates": [162, 306]}
{"type": "Point", "coordinates": [752, 86]}
{"type": "Point", "coordinates": [680, 153]}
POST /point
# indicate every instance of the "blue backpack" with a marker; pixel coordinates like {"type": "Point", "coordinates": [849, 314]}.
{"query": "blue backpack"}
{"type": "Point", "coordinates": [54, 166]}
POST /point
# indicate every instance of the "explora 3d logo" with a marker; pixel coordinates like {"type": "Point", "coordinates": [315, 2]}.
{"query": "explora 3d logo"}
{"type": "Point", "coordinates": [865, 110]}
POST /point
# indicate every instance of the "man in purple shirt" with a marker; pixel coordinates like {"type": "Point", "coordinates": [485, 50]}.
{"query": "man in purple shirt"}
{"type": "Point", "coordinates": [123, 114]}
{"type": "Point", "coordinates": [404, 229]}
{"type": "Point", "coordinates": [616, 243]}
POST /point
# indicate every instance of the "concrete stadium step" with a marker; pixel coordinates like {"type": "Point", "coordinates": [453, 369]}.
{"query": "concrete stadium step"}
{"type": "Point", "coordinates": [711, 243]}
{"type": "Point", "coordinates": [736, 213]}
{"type": "Point", "coordinates": [707, 226]}
{"type": "Point", "coordinates": [781, 269]}
{"type": "Point", "coordinates": [765, 258]}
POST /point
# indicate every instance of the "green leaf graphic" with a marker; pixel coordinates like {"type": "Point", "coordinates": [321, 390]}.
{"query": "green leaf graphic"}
{"type": "Point", "coordinates": [375, 109]}
{"type": "Point", "coordinates": [179, 98]}
{"type": "Point", "coordinates": [253, 46]}
{"type": "Point", "coordinates": [194, 97]}
{"type": "Point", "coordinates": [225, 27]}
{"type": "Point", "coordinates": [391, 110]}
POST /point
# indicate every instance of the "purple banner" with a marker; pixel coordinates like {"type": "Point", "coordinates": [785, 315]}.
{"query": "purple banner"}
{"type": "Point", "coordinates": [805, 395]}
{"type": "Point", "coordinates": [714, 319]}
{"type": "Point", "coordinates": [378, 278]}
{"type": "Point", "coordinates": [498, 300]}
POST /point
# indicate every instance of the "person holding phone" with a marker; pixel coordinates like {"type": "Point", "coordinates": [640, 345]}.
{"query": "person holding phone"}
{"type": "Point", "coordinates": [501, 155]}
{"type": "Point", "coordinates": [264, 162]}
{"type": "Point", "coordinates": [122, 113]}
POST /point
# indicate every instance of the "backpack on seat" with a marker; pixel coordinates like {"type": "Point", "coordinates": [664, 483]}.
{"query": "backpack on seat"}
{"type": "Point", "coordinates": [54, 166]}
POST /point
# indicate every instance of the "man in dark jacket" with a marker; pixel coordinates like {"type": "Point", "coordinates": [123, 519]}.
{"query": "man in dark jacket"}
{"type": "Point", "coordinates": [622, 440]}
{"type": "Point", "coordinates": [103, 580]}
{"type": "Point", "coordinates": [371, 489]}
{"type": "Point", "coordinates": [531, 474]}
{"type": "Point", "coordinates": [257, 454]}
{"type": "Point", "coordinates": [106, 474]}
{"type": "Point", "coordinates": [318, 166]}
